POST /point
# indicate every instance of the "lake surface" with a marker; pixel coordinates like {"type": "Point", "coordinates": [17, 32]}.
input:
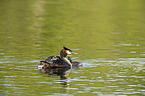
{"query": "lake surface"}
{"type": "Point", "coordinates": [108, 35]}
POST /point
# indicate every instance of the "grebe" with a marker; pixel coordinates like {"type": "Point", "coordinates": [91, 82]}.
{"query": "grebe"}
{"type": "Point", "coordinates": [59, 61]}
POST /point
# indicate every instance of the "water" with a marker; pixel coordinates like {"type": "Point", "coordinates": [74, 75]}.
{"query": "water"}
{"type": "Point", "coordinates": [108, 36]}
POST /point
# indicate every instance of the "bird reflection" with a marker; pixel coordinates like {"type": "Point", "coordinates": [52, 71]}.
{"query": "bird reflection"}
{"type": "Point", "coordinates": [62, 72]}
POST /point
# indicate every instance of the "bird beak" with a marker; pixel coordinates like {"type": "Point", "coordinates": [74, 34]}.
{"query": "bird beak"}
{"type": "Point", "coordinates": [73, 53]}
{"type": "Point", "coordinates": [70, 52]}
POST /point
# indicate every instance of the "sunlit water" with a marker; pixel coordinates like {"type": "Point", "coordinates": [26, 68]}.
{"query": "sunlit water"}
{"type": "Point", "coordinates": [97, 76]}
{"type": "Point", "coordinates": [108, 36]}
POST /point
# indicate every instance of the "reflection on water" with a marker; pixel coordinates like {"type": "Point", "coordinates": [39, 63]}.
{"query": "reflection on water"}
{"type": "Point", "coordinates": [108, 36]}
{"type": "Point", "coordinates": [97, 76]}
{"type": "Point", "coordinates": [61, 72]}
{"type": "Point", "coordinates": [120, 77]}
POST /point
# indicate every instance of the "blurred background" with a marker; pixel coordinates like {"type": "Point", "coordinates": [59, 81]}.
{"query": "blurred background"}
{"type": "Point", "coordinates": [108, 36]}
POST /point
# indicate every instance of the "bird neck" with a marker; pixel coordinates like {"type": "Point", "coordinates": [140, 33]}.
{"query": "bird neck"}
{"type": "Point", "coordinates": [63, 53]}
{"type": "Point", "coordinates": [67, 61]}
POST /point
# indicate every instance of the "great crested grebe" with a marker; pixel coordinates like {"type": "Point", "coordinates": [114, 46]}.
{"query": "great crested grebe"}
{"type": "Point", "coordinates": [59, 61]}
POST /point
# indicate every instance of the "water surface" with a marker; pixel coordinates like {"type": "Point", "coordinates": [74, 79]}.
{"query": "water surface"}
{"type": "Point", "coordinates": [107, 35]}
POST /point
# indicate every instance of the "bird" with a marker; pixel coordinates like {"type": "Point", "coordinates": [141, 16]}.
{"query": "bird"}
{"type": "Point", "coordinates": [59, 61]}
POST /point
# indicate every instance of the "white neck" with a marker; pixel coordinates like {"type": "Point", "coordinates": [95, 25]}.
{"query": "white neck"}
{"type": "Point", "coordinates": [67, 61]}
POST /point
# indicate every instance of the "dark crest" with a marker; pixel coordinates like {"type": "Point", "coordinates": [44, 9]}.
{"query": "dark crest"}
{"type": "Point", "coordinates": [66, 48]}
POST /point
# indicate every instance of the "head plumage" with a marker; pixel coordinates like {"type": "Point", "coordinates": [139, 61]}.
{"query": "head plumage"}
{"type": "Point", "coordinates": [66, 48]}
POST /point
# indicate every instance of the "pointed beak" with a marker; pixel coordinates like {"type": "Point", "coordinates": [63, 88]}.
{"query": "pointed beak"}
{"type": "Point", "coordinates": [70, 52]}
{"type": "Point", "coordinates": [73, 53]}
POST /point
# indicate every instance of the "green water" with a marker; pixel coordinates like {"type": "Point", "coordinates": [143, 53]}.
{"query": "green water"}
{"type": "Point", "coordinates": [108, 36]}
